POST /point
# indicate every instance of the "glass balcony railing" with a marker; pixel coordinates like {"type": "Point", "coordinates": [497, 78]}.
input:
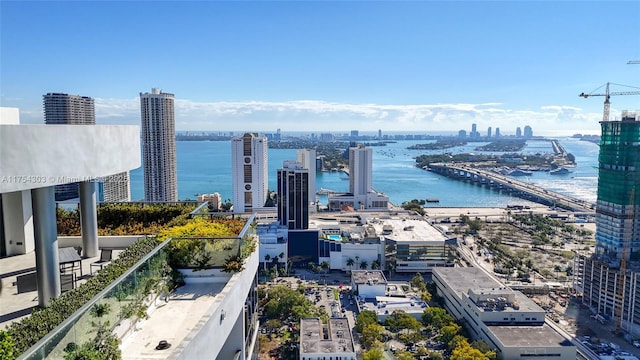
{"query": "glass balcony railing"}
{"type": "Point", "coordinates": [121, 300]}
{"type": "Point", "coordinates": [128, 296]}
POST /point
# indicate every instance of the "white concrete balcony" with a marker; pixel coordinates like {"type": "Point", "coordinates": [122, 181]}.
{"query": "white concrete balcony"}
{"type": "Point", "coordinates": [36, 156]}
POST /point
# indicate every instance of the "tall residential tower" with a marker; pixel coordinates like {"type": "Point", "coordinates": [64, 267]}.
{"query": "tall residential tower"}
{"type": "Point", "coordinates": [360, 170]}
{"type": "Point", "coordinates": [249, 177]}
{"type": "Point", "coordinates": [361, 193]}
{"type": "Point", "coordinates": [65, 109]}
{"type": "Point", "coordinates": [159, 146]}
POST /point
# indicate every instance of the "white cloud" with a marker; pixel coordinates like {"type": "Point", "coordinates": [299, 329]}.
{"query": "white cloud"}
{"type": "Point", "coordinates": [318, 115]}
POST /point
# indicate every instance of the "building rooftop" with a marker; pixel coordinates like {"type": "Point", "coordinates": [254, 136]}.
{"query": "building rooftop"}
{"type": "Point", "coordinates": [333, 338]}
{"type": "Point", "coordinates": [368, 276]}
{"type": "Point", "coordinates": [529, 336]}
{"type": "Point", "coordinates": [406, 230]}
{"type": "Point", "coordinates": [387, 305]}
{"type": "Point", "coordinates": [473, 282]}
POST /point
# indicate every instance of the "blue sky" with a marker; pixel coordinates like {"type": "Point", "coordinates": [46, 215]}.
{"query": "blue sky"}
{"type": "Point", "coordinates": [327, 66]}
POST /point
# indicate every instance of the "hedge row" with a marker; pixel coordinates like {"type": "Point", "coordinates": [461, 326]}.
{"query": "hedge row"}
{"type": "Point", "coordinates": [28, 331]}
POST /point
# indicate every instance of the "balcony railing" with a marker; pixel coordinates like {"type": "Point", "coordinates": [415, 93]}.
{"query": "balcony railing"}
{"type": "Point", "coordinates": [127, 296]}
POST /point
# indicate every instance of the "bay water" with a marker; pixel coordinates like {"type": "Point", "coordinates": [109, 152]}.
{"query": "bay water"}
{"type": "Point", "coordinates": [205, 167]}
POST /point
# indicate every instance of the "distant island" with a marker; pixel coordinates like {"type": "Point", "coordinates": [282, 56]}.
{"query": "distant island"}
{"type": "Point", "coordinates": [439, 145]}
{"type": "Point", "coordinates": [590, 138]}
{"type": "Point", "coordinates": [202, 137]}
{"type": "Point", "coordinates": [503, 145]}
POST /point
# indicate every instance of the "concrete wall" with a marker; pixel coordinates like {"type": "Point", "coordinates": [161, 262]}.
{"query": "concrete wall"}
{"type": "Point", "coordinates": [35, 156]}
{"type": "Point", "coordinates": [370, 291]}
{"type": "Point", "coordinates": [18, 222]}
{"type": "Point", "coordinates": [273, 250]}
{"type": "Point", "coordinates": [112, 242]}
{"type": "Point", "coordinates": [365, 252]}
{"type": "Point", "coordinates": [218, 333]}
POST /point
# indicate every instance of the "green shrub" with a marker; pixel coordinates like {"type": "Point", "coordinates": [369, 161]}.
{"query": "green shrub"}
{"type": "Point", "coordinates": [26, 332]}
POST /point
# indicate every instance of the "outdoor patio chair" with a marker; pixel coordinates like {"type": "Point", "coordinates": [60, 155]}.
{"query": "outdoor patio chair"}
{"type": "Point", "coordinates": [67, 282]}
{"type": "Point", "coordinates": [105, 258]}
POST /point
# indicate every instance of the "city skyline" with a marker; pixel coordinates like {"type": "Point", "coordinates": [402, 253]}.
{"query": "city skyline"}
{"type": "Point", "coordinates": [409, 66]}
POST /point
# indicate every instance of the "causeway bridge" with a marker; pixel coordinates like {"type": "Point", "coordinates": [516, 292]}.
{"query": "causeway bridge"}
{"type": "Point", "coordinates": [505, 184]}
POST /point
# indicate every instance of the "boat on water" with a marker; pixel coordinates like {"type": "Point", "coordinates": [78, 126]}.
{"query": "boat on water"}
{"type": "Point", "coordinates": [519, 172]}
{"type": "Point", "coordinates": [559, 171]}
{"type": "Point", "coordinates": [433, 200]}
{"type": "Point", "coordinates": [505, 170]}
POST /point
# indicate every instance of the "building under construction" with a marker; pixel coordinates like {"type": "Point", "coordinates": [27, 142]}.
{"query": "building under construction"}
{"type": "Point", "coordinates": [610, 279]}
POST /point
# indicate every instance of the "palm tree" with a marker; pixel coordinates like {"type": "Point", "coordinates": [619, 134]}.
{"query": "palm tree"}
{"type": "Point", "coordinates": [557, 269]}
{"type": "Point", "coordinates": [350, 263]}
{"type": "Point", "coordinates": [281, 256]}
{"type": "Point", "coordinates": [325, 265]}
{"type": "Point", "coordinates": [390, 267]}
{"type": "Point", "coordinates": [363, 265]}
{"type": "Point", "coordinates": [375, 265]}
{"type": "Point", "coordinates": [266, 259]}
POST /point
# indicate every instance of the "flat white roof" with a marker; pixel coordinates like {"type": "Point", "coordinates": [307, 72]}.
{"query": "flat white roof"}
{"type": "Point", "coordinates": [406, 230]}
{"type": "Point", "coordinates": [366, 276]}
{"type": "Point", "coordinates": [461, 280]}
{"type": "Point", "coordinates": [335, 338]}
{"type": "Point", "coordinates": [389, 304]}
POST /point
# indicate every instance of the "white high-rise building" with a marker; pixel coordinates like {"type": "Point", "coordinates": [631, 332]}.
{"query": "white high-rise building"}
{"type": "Point", "coordinates": [249, 172]}
{"type": "Point", "coordinates": [159, 146]}
{"type": "Point", "coordinates": [361, 193]}
{"type": "Point", "coordinates": [307, 157]}
{"type": "Point", "coordinates": [360, 170]}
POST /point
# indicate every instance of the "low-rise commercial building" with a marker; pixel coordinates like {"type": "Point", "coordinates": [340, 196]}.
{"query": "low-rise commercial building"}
{"type": "Point", "coordinates": [331, 341]}
{"type": "Point", "coordinates": [507, 320]}
{"type": "Point", "coordinates": [414, 245]}
{"type": "Point", "coordinates": [384, 306]}
{"type": "Point", "coordinates": [368, 283]}
{"type": "Point", "coordinates": [392, 241]}
{"type": "Point", "coordinates": [273, 243]}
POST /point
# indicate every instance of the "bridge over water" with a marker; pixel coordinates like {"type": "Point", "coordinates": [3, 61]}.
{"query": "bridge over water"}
{"type": "Point", "coordinates": [505, 184]}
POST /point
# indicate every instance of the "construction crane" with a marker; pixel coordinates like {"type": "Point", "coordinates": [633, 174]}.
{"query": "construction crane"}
{"type": "Point", "coordinates": [607, 94]}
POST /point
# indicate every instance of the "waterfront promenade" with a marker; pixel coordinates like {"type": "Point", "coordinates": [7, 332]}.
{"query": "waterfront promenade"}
{"type": "Point", "coordinates": [498, 182]}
